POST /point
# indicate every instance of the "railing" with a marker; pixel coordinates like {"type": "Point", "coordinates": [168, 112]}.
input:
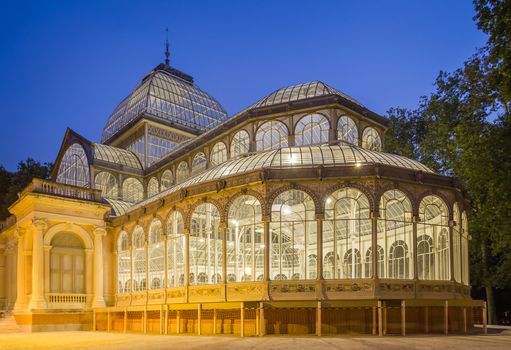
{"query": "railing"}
{"type": "Point", "coordinates": [63, 190]}
{"type": "Point", "coordinates": [66, 301]}
{"type": "Point", "coordinates": [67, 298]}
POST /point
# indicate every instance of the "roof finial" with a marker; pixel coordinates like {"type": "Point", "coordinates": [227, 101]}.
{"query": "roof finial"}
{"type": "Point", "coordinates": [167, 53]}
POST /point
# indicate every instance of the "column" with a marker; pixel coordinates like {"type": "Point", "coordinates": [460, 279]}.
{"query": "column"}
{"type": "Point", "coordinates": [20, 271]}
{"type": "Point", "coordinates": [89, 260]}
{"type": "Point", "coordinates": [451, 250]}
{"type": "Point", "coordinates": [37, 301]}
{"type": "Point", "coordinates": [10, 277]}
{"type": "Point", "coordinates": [223, 234]}
{"type": "Point", "coordinates": [266, 221]}
{"type": "Point", "coordinates": [99, 299]}
{"type": "Point", "coordinates": [319, 245]}
{"type": "Point", "coordinates": [403, 317]}
{"type": "Point", "coordinates": [374, 245]}
{"type": "Point", "coordinates": [47, 251]}
{"type": "Point", "coordinates": [414, 249]}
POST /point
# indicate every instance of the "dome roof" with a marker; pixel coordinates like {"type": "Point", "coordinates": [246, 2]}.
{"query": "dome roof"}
{"type": "Point", "coordinates": [169, 96]}
{"type": "Point", "coordinates": [343, 154]}
{"type": "Point", "coordinates": [300, 92]}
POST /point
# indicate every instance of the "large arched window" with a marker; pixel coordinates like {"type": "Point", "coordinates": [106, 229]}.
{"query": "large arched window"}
{"type": "Point", "coordinates": [346, 232]}
{"type": "Point", "coordinates": [152, 187]}
{"type": "Point", "coordinates": [167, 179]}
{"type": "Point", "coordinates": [395, 229]}
{"type": "Point", "coordinates": [312, 130]}
{"type": "Point", "coordinates": [198, 163]}
{"type": "Point", "coordinates": [271, 135]}
{"type": "Point", "coordinates": [218, 154]}
{"type": "Point", "coordinates": [245, 240]}
{"type": "Point", "coordinates": [371, 139]}
{"type": "Point", "coordinates": [205, 245]}
{"type": "Point", "coordinates": [456, 244]}
{"type": "Point", "coordinates": [352, 264]}
{"type": "Point", "coordinates": [139, 260]}
{"type": "Point", "coordinates": [434, 222]}
{"type": "Point", "coordinates": [347, 130]}
{"type": "Point", "coordinates": [380, 262]}
{"type": "Point", "coordinates": [156, 252]}
{"type": "Point", "coordinates": [123, 263]}
{"type": "Point", "coordinates": [74, 167]}
{"type": "Point", "coordinates": [399, 260]}
{"type": "Point", "coordinates": [240, 143]}
{"type": "Point", "coordinates": [293, 236]}
{"type": "Point", "coordinates": [182, 172]}
{"type": "Point", "coordinates": [132, 190]}
{"type": "Point", "coordinates": [425, 258]}
{"type": "Point", "coordinates": [67, 264]}
{"type": "Point", "coordinates": [176, 258]}
{"type": "Point", "coordinates": [465, 275]}
{"type": "Point", "coordinates": [107, 183]}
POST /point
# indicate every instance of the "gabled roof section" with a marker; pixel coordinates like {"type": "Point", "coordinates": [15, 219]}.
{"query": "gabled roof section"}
{"type": "Point", "coordinates": [103, 155]}
{"type": "Point", "coordinates": [167, 96]}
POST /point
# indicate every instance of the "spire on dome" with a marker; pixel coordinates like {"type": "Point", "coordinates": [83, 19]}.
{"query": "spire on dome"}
{"type": "Point", "coordinates": [167, 53]}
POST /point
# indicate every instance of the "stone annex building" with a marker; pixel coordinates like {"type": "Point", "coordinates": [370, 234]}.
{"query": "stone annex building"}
{"type": "Point", "coordinates": [285, 218]}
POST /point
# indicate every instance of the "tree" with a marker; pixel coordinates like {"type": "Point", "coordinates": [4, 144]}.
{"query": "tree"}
{"type": "Point", "coordinates": [13, 183]}
{"type": "Point", "coordinates": [463, 129]}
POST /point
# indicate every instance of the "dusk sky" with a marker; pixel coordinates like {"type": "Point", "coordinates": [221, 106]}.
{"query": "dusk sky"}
{"type": "Point", "coordinates": [69, 63]}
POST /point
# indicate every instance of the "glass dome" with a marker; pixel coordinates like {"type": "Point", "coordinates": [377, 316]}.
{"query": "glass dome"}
{"type": "Point", "coordinates": [168, 96]}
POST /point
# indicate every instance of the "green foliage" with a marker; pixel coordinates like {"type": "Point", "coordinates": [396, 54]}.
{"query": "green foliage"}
{"type": "Point", "coordinates": [13, 183]}
{"type": "Point", "coordinates": [463, 129]}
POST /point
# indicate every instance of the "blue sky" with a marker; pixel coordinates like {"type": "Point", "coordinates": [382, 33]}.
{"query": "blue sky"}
{"type": "Point", "coordinates": [69, 63]}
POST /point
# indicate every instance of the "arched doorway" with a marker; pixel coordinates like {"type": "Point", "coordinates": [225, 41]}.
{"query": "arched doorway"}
{"type": "Point", "coordinates": [67, 264]}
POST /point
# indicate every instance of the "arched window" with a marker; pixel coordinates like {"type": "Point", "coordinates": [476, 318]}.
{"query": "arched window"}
{"type": "Point", "coordinates": [132, 190]}
{"type": "Point", "coordinates": [139, 259]}
{"type": "Point", "coordinates": [182, 172]}
{"type": "Point", "coordinates": [152, 187]}
{"type": "Point", "coordinates": [352, 264]}
{"type": "Point", "coordinates": [205, 244]}
{"type": "Point", "coordinates": [156, 251]}
{"type": "Point", "coordinates": [456, 244]}
{"type": "Point", "coordinates": [312, 129]}
{"type": "Point", "coordinates": [245, 240]}
{"type": "Point", "coordinates": [218, 154]}
{"type": "Point", "coordinates": [123, 263]}
{"type": "Point", "coordinates": [293, 235]}
{"type": "Point", "coordinates": [380, 262]}
{"type": "Point", "coordinates": [107, 183]}
{"type": "Point", "coordinates": [395, 224]}
{"type": "Point", "coordinates": [347, 130]}
{"type": "Point", "coordinates": [346, 228]}
{"type": "Point", "coordinates": [240, 143]}
{"type": "Point", "coordinates": [198, 163]}
{"type": "Point", "coordinates": [67, 264]}
{"type": "Point", "coordinates": [371, 139]}
{"type": "Point", "coordinates": [399, 260]}
{"type": "Point", "coordinates": [74, 167]}
{"type": "Point", "coordinates": [271, 135]}
{"type": "Point", "coordinates": [425, 258]}
{"type": "Point", "coordinates": [434, 222]}
{"type": "Point", "coordinates": [331, 265]}
{"type": "Point", "coordinates": [167, 179]}
{"type": "Point", "coordinates": [465, 275]}
{"type": "Point", "coordinates": [175, 251]}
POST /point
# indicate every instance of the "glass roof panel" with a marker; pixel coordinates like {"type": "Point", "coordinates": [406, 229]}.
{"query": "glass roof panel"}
{"type": "Point", "coordinates": [170, 98]}
{"type": "Point", "coordinates": [116, 156]}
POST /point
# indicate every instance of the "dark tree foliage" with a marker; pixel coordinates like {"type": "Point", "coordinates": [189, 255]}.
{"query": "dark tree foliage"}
{"type": "Point", "coordinates": [13, 183]}
{"type": "Point", "coordinates": [463, 129]}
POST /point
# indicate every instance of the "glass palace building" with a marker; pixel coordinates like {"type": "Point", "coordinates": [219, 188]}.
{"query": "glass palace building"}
{"type": "Point", "coordinates": [285, 218]}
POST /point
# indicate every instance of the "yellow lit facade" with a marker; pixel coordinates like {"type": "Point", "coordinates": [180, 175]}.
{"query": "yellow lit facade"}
{"type": "Point", "coordinates": [286, 218]}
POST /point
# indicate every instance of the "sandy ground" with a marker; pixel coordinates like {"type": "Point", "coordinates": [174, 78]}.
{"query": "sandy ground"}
{"type": "Point", "coordinates": [111, 341]}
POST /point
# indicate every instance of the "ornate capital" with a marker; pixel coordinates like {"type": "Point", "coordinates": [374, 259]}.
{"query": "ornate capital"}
{"type": "Point", "coordinates": [40, 224]}
{"type": "Point", "coordinates": [99, 231]}
{"type": "Point", "coordinates": [20, 232]}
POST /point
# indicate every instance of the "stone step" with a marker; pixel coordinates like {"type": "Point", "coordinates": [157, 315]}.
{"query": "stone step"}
{"type": "Point", "coordinates": [8, 325]}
